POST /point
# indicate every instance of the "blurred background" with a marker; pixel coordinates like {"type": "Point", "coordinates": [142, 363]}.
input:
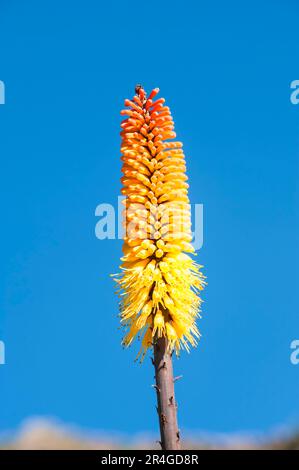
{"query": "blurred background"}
{"type": "Point", "coordinates": [225, 69]}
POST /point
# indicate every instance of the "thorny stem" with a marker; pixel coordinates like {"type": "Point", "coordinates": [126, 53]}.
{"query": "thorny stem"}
{"type": "Point", "coordinates": [167, 407]}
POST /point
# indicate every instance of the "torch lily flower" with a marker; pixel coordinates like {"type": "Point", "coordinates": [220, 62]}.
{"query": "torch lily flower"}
{"type": "Point", "coordinates": [159, 281]}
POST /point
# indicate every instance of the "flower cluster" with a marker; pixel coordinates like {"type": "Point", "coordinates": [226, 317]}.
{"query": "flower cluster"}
{"type": "Point", "coordinates": [159, 281]}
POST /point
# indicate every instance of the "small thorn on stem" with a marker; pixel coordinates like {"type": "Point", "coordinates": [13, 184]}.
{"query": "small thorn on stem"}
{"type": "Point", "coordinates": [163, 366]}
{"type": "Point", "coordinates": [163, 419]}
{"type": "Point", "coordinates": [156, 387]}
{"type": "Point", "coordinates": [171, 400]}
{"type": "Point", "coordinates": [178, 435]}
{"type": "Point", "coordinates": [177, 378]}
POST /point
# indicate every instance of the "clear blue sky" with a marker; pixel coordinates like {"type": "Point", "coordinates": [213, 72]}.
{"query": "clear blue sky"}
{"type": "Point", "coordinates": [225, 69]}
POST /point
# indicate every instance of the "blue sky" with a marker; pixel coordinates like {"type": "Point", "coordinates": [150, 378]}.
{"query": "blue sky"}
{"type": "Point", "coordinates": [225, 70]}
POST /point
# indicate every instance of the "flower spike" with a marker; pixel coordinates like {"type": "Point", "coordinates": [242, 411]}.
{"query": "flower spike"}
{"type": "Point", "coordinates": [159, 281]}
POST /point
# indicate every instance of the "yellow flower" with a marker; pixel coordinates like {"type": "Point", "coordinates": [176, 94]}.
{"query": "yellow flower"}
{"type": "Point", "coordinates": [159, 282]}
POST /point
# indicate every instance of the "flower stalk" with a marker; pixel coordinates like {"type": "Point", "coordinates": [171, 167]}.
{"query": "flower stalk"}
{"type": "Point", "coordinates": [167, 406]}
